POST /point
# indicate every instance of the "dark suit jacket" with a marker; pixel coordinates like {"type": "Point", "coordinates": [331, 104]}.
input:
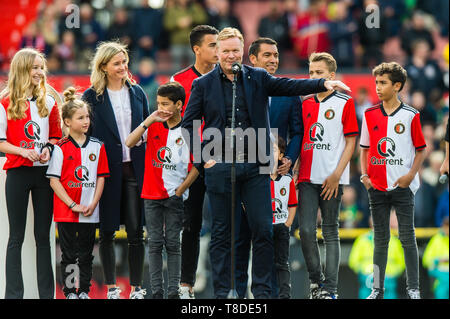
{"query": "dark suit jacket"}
{"type": "Point", "coordinates": [104, 127]}
{"type": "Point", "coordinates": [207, 100]}
{"type": "Point", "coordinates": [285, 115]}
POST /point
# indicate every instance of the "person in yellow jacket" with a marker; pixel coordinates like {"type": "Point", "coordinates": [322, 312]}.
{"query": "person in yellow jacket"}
{"type": "Point", "coordinates": [361, 262]}
{"type": "Point", "coordinates": [435, 260]}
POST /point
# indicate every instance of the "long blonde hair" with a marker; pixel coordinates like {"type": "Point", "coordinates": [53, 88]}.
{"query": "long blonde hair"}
{"type": "Point", "coordinates": [104, 53]}
{"type": "Point", "coordinates": [19, 80]}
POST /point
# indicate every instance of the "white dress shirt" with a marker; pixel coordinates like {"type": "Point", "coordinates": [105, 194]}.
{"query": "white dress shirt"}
{"type": "Point", "coordinates": [120, 101]}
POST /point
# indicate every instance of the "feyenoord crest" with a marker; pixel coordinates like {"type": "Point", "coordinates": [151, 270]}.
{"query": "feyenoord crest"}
{"type": "Point", "coordinates": [399, 128]}
{"type": "Point", "coordinates": [179, 141]}
{"type": "Point", "coordinates": [92, 157]}
{"type": "Point", "coordinates": [329, 114]}
{"type": "Point", "coordinates": [283, 191]}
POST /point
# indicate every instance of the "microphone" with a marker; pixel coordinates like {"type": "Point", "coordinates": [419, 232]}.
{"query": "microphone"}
{"type": "Point", "coordinates": [236, 67]}
{"type": "Point", "coordinates": [443, 179]}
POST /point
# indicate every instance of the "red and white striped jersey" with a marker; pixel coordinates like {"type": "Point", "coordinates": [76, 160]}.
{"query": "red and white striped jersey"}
{"type": "Point", "coordinates": [77, 168]}
{"type": "Point", "coordinates": [185, 78]}
{"type": "Point", "coordinates": [283, 196]}
{"type": "Point", "coordinates": [392, 141]}
{"type": "Point", "coordinates": [31, 132]}
{"type": "Point", "coordinates": [167, 160]}
{"type": "Point", "coordinates": [326, 125]}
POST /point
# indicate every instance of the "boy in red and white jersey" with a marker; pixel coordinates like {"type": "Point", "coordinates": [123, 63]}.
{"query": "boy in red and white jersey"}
{"type": "Point", "coordinates": [166, 183]}
{"type": "Point", "coordinates": [284, 206]}
{"type": "Point", "coordinates": [330, 130]}
{"type": "Point", "coordinates": [392, 151]}
{"type": "Point", "coordinates": [203, 40]}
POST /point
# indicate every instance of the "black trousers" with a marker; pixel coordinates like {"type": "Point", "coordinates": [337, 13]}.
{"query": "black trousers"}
{"type": "Point", "coordinates": [253, 190]}
{"type": "Point", "coordinates": [19, 183]}
{"type": "Point", "coordinates": [281, 261]}
{"type": "Point", "coordinates": [77, 243]}
{"type": "Point", "coordinates": [192, 225]}
{"type": "Point", "coordinates": [131, 214]}
{"type": "Point", "coordinates": [402, 199]}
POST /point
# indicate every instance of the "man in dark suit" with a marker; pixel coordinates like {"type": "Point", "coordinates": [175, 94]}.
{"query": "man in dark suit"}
{"type": "Point", "coordinates": [285, 116]}
{"type": "Point", "coordinates": [211, 99]}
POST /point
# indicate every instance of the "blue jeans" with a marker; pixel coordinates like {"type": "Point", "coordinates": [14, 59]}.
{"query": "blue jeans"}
{"type": "Point", "coordinates": [164, 220]}
{"type": "Point", "coordinates": [253, 190]}
{"type": "Point", "coordinates": [309, 202]}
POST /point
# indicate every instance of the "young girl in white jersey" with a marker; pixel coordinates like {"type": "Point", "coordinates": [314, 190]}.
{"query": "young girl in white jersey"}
{"type": "Point", "coordinates": [77, 174]}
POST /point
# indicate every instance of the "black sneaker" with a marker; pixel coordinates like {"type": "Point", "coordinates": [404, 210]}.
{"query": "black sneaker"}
{"type": "Point", "coordinates": [377, 293]}
{"type": "Point", "coordinates": [173, 295]}
{"type": "Point", "coordinates": [158, 295]}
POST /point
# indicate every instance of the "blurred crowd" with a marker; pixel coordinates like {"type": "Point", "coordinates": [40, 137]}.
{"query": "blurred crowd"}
{"type": "Point", "coordinates": [411, 32]}
{"type": "Point", "coordinates": [359, 33]}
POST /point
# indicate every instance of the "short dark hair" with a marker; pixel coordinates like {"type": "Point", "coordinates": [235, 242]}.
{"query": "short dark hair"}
{"type": "Point", "coordinates": [197, 34]}
{"type": "Point", "coordinates": [281, 143]}
{"type": "Point", "coordinates": [174, 91]}
{"type": "Point", "coordinates": [256, 45]}
{"type": "Point", "coordinates": [395, 72]}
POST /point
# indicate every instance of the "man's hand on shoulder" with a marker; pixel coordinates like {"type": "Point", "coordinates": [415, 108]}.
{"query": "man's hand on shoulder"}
{"type": "Point", "coordinates": [334, 85]}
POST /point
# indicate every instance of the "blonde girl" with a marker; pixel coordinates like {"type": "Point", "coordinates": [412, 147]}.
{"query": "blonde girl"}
{"type": "Point", "coordinates": [29, 126]}
{"type": "Point", "coordinates": [77, 174]}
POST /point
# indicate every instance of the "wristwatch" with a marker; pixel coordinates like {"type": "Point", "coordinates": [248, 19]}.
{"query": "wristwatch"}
{"type": "Point", "coordinates": [362, 176]}
{"type": "Point", "coordinates": [144, 126]}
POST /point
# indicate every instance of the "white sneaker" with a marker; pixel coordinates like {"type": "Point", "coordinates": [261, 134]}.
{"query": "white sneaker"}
{"type": "Point", "coordinates": [327, 295]}
{"type": "Point", "coordinates": [413, 294]}
{"type": "Point", "coordinates": [83, 295]}
{"type": "Point", "coordinates": [376, 293]}
{"type": "Point", "coordinates": [138, 293]}
{"type": "Point", "coordinates": [113, 293]}
{"type": "Point", "coordinates": [72, 296]}
{"type": "Point", "coordinates": [315, 291]}
{"type": "Point", "coordinates": [185, 293]}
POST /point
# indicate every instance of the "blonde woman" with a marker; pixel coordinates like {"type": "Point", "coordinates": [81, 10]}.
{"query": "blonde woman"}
{"type": "Point", "coordinates": [29, 126]}
{"type": "Point", "coordinates": [118, 107]}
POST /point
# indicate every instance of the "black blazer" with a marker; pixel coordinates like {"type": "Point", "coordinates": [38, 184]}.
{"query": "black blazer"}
{"type": "Point", "coordinates": [104, 127]}
{"type": "Point", "coordinates": [285, 114]}
{"type": "Point", "coordinates": [206, 100]}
